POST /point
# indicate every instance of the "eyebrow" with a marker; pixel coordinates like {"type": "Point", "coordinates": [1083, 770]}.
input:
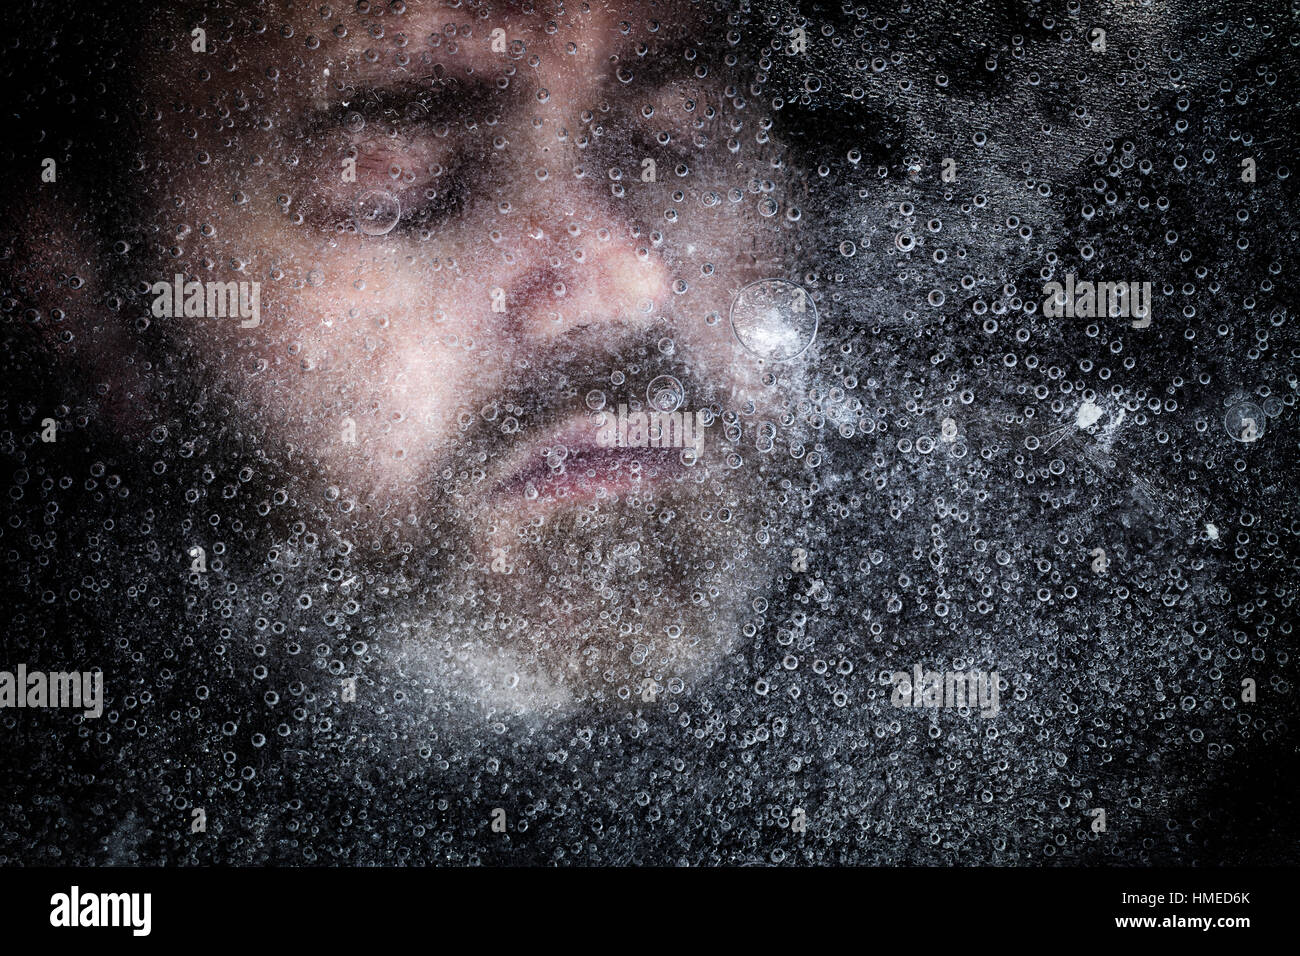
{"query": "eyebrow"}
{"type": "Point", "coordinates": [439, 100]}
{"type": "Point", "coordinates": [446, 97]}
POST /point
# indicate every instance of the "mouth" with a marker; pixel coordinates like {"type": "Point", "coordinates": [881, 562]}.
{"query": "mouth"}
{"type": "Point", "coordinates": [571, 463]}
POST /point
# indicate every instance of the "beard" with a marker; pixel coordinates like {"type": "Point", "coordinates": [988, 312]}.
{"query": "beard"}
{"type": "Point", "coordinates": [449, 596]}
{"type": "Point", "coordinates": [603, 604]}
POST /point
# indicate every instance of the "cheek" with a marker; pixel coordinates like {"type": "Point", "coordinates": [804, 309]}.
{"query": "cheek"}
{"type": "Point", "coordinates": [721, 250]}
{"type": "Point", "coordinates": [360, 378]}
{"type": "Point", "coordinates": [396, 377]}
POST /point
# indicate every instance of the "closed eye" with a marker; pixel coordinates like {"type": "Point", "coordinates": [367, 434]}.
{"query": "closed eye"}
{"type": "Point", "coordinates": [408, 140]}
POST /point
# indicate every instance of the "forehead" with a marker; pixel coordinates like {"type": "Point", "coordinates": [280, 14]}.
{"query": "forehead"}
{"type": "Point", "coordinates": [374, 43]}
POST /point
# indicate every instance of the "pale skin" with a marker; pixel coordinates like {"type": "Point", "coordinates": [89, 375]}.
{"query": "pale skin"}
{"type": "Point", "coordinates": [516, 179]}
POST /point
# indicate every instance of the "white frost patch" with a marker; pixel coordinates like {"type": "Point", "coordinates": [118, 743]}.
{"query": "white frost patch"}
{"type": "Point", "coordinates": [1089, 415]}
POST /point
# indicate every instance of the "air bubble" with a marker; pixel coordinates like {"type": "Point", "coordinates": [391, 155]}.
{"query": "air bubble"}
{"type": "Point", "coordinates": [774, 320]}
{"type": "Point", "coordinates": [377, 212]}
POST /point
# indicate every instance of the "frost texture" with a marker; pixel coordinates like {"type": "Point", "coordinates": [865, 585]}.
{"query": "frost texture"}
{"type": "Point", "coordinates": [927, 484]}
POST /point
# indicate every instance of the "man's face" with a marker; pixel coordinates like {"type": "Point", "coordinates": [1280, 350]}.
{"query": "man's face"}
{"type": "Point", "coordinates": [478, 233]}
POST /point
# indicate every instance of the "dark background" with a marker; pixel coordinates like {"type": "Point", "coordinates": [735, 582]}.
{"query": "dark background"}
{"type": "Point", "coordinates": [1129, 691]}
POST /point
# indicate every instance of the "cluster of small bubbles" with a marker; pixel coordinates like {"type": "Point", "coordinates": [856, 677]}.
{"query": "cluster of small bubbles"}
{"type": "Point", "coordinates": [961, 481]}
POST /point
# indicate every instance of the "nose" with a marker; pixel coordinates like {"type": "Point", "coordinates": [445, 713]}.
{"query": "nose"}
{"type": "Point", "coordinates": [569, 254]}
{"type": "Point", "coordinates": [577, 267]}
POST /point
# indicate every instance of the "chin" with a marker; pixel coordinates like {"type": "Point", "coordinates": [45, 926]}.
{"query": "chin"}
{"type": "Point", "coordinates": [617, 606]}
{"type": "Point", "coordinates": [580, 661]}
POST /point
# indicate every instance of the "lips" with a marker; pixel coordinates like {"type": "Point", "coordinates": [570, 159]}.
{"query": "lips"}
{"type": "Point", "coordinates": [569, 463]}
